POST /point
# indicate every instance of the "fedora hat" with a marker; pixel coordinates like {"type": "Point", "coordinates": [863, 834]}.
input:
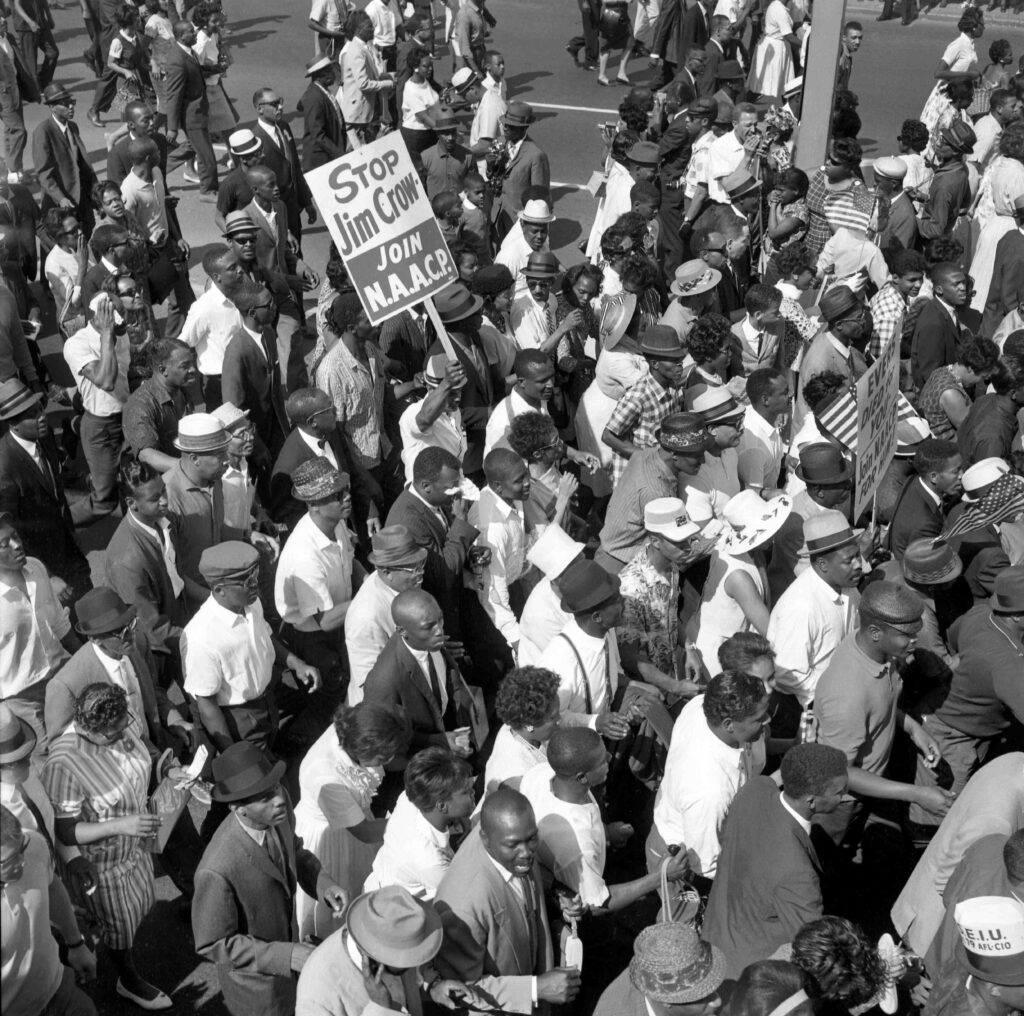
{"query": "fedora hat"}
{"type": "Point", "coordinates": [537, 211]}
{"type": "Point", "coordinates": [754, 521]}
{"type": "Point", "coordinates": [393, 927]}
{"type": "Point", "coordinates": [684, 433]}
{"type": "Point", "coordinates": [54, 93]}
{"type": "Point", "coordinates": [444, 119]}
{"type": "Point", "coordinates": [101, 611]}
{"type": "Point", "coordinates": [316, 479]}
{"type": "Point", "coordinates": [518, 114]}
{"type": "Point", "coordinates": [236, 223]}
{"type": "Point", "coordinates": [464, 79]}
{"type": "Point", "coordinates": [554, 551]}
{"type": "Point", "coordinates": [991, 945]}
{"type": "Point", "coordinates": [661, 342]}
{"type": "Point", "coordinates": [739, 183]}
{"type": "Point", "coordinates": [823, 465]}
{"type": "Point", "coordinates": [666, 516]}
{"type": "Point", "coordinates": [16, 397]}
{"type": "Point", "coordinates": [909, 435]}
{"type": "Point", "coordinates": [976, 479]}
{"type": "Point", "coordinates": [201, 433]}
{"type": "Point", "coordinates": [541, 264]}
{"type": "Point", "coordinates": [703, 107]}
{"type": "Point", "coordinates": [585, 586]}
{"type": "Point", "coordinates": [959, 136]}
{"type": "Point", "coordinates": [827, 531]}
{"type": "Point", "coordinates": [729, 70]}
{"type": "Point", "coordinates": [644, 153]}
{"type": "Point", "coordinates": [615, 318]}
{"type": "Point", "coordinates": [230, 415]}
{"type": "Point", "coordinates": [229, 561]}
{"type": "Point", "coordinates": [456, 303]}
{"type": "Point", "coordinates": [713, 403]}
{"type": "Point", "coordinates": [318, 64]}
{"type": "Point", "coordinates": [393, 547]}
{"type": "Point", "coordinates": [17, 738]}
{"type": "Point", "coordinates": [927, 563]}
{"type": "Point", "coordinates": [837, 303]}
{"type": "Point", "coordinates": [693, 278]}
{"type": "Point", "coordinates": [242, 771]}
{"type": "Point", "coordinates": [672, 965]}
{"type": "Point", "coordinates": [244, 142]}
{"type": "Point", "coordinates": [1008, 592]}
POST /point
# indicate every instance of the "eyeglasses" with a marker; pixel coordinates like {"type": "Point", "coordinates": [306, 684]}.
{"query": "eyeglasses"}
{"type": "Point", "coordinates": [247, 238]}
{"type": "Point", "coordinates": [11, 863]}
{"type": "Point", "coordinates": [123, 633]}
{"type": "Point", "coordinates": [77, 231]}
{"type": "Point", "coordinates": [125, 293]}
{"type": "Point", "coordinates": [417, 570]}
{"type": "Point", "coordinates": [272, 102]}
{"type": "Point", "coordinates": [251, 581]}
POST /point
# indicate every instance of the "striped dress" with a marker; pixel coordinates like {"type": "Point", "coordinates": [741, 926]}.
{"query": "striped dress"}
{"type": "Point", "coordinates": [95, 783]}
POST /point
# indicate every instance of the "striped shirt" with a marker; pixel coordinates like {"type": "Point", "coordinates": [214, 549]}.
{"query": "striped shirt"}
{"type": "Point", "coordinates": [647, 476]}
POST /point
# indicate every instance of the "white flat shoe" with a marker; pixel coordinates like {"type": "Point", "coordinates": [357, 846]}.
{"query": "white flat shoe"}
{"type": "Point", "coordinates": [161, 1001]}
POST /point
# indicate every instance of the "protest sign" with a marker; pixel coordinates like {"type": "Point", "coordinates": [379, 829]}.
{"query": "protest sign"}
{"type": "Point", "coordinates": [380, 220]}
{"type": "Point", "coordinates": [878, 394]}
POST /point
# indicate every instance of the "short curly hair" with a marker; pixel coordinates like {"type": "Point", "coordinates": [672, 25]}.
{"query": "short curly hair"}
{"type": "Point", "coordinates": [739, 651]}
{"type": "Point", "coordinates": [841, 963]}
{"type": "Point", "coordinates": [809, 768]}
{"type": "Point", "coordinates": [708, 337]}
{"type": "Point", "coordinates": [624, 141]}
{"type": "Point", "coordinates": [99, 707]}
{"type": "Point", "coordinates": [530, 432]}
{"type": "Point", "coordinates": [732, 695]}
{"type": "Point", "coordinates": [914, 134]}
{"type": "Point", "coordinates": [371, 730]}
{"type": "Point", "coordinates": [905, 261]}
{"type": "Point", "coordinates": [847, 152]}
{"type": "Point", "coordinates": [944, 249]}
{"type": "Point", "coordinates": [979, 354]}
{"type": "Point", "coordinates": [435, 775]}
{"type": "Point", "coordinates": [639, 270]}
{"type": "Point", "coordinates": [820, 387]}
{"type": "Point", "coordinates": [793, 259]}
{"type": "Point", "coordinates": [525, 696]}
{"type": "Point", "coordinates": [1011, 141]}
{"type": "Point", "coordinates": [972, 18]}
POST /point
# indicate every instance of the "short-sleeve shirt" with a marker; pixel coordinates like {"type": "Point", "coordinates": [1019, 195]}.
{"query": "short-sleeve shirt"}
{"type": "Point", "coordinates": [650, 617]}
{"type": "Point", "coordinates": [151, 416]}
{"type": "Point", "coordinates": [638, 415]}
{"type": "Point", "coordinates": [417, 98]}
{"type": "Point", "coordinates": [83, 348]}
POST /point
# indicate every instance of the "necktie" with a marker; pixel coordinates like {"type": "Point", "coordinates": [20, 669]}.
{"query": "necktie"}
{"type": "Point", "coordinates": [435, 687]}
{"type": "Point", "coordinates": [526, 887]}
{"type": "Point", "coordinates": [170, 558]}
{"type": "Point", "coordinates": [607, 677]}
{"type": "Point", "coordinates": [276, 853]}
{"type": "Point", "coordinates": [40, 822]}
{"type": "Point", "coordinates": [549, 317]}
{"type": "Point", "coordinates": [44, 467]}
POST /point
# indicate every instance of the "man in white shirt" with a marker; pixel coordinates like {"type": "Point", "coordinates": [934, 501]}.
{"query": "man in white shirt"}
{"type": "Point", "coordinates": [417, 851]}
{"type": "Point", "coordinates": [399, 565]}
{"type": "Point", "coordinates": [36, 636]}
{"type": "Point", "coordinates": [530, 237]}
{"type": "Point", "coordinates": [313, 582]}
{"type": "Point", "coordinates": [717, 745]}
{"type": "Point", "coordinates": [585, 654]}
{"type": "Point", "coordinates": [813, 616]}
{"type": "Point", "coordinates": [534, 311]}
{"type": "Point", "coordinates": [386, 17]}
{"type": "Point", "coordinates": [734, 150]}
{"type": "Point", "coordinates": [228, 651]}
{"type": "Point", "coordinates": [533, 389]}
{"type": "Point", "coordinates": [1004, 109]}
{"type": "Point", "coordinates": [98, 356]}
{"type": "Point", "coordinates": [761, 451]}
{"type": "Point", "coordinates": [500, 518]}
{"type": "Point", "coordinates": [436, 419]}
{"type": "Point", "coordinates": [553, 553]}
{"type": "Point", "coordinates": [213, 320]}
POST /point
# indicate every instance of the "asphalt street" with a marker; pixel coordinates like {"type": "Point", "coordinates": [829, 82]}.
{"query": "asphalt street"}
{"type": "Point", "coordinates": [893, 74]}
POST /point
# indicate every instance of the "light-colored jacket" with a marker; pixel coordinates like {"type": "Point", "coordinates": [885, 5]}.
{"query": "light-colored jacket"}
{"type": "Point", "coordinates": [362, 82]}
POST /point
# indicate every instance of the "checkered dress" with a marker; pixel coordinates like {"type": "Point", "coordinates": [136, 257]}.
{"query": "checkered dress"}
{"type": "Point", "coordinates": [638, 415]}
{"type": "Point", "coordinates": [888, 311]}
{"type": "Point", "coordinates": [829, 210]}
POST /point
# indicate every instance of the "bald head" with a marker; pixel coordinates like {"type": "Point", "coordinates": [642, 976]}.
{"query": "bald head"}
{"type": "Point", "coordinates": [508, 830]}
{"type": "Point", "coordinates": [419, 619]}
{"type": "Point", "coordinates": [575, 750]}
{"type": "Point", "coordinates": [259, 176]}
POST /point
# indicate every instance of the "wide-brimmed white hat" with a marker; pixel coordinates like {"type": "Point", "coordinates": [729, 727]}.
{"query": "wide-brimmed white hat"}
{"type": "Point", "coordinates": [537, 211]}
{"type": "Point", "coordinates": [980, 475]}
{"type": "Point", "coordinates": [754, 521]}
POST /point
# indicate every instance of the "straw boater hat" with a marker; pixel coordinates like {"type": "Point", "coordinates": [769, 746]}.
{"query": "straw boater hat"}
{"type": "Point", "coordinates": [316, 479]}
{"type": "Point", "coordinates": [393, 927]}
{"type": "Point", "coordinates": [693, 278]}
{"type": "Point", "coordinates": [394, 547]}
{"type": "Point", "coordinates": [230, 416]}
{"type": "Point", "coordinates": [672, 965]}
{"type": "Point", "coordinates": [666, 516]}
{"type": "Point", "coordinates": [239, 223]}
{"type": "Point", "coordinates": [991, 945]}
{"type": "Point", "coordinates": [244, 142]}
{"type": "Point", "coordinates": [976, 480]}
{"type": "Point", "coordinates": [318, 64]}
{"type": "Point", "coordinates": [754, 521]}
{"type": "Point", "coordinates": [16, 397]}
{"type": "Point", "coordinates": [435, 370]}
{"type": "Point", "coordinates": [464, 79]}
{"type": "Point", "coordinates": [201, 433]}
{"type": "Point", "coordinates": [714, 403]}
{"type": "Point", "coordinates": [909, 435]}
{"type": "Point", "coordinates": [243, 771]}
{"type": "Point", "coordinates": [554, 551]}
{"type": "Point", "coordinates": [827, 531]}
{"type": "Point", "coordinates": [890, 168]}
{"type": "Point", "coordinates": [17, 738]}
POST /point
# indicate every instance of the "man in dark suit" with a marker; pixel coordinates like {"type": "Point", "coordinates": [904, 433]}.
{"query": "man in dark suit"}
{"type": "Point", "coordinates": [139, 119]}
{"type": "Point", "coordinates": [690, 74]}
{"type": "Point", "coordinates": [938, 330]}
{"type": "Point", "coordinates": [416, 674]}
{"type": "Point", "coordinates": [323, 134]}
{"type": "Point", "coordinates": [528, 167]}
{"type": "Point", "coordinates": [437, 522]}
{"type": "Point", "coordinates": [768, 881]}
{"type": "Point", "coordinates": [17, 85]}
{"type": "Point", "coordinates": [1006, 292]}
{"type": "Point", "coordinates": [922, 505]}
{"type": "Point", "coordinates": [36, 34]}
{"type": "Point", "coordinates": [677, 32]}
{"type": "Point", "coordinates": [31, 489]}
{"type": "Point", "coordinates": [712, 247]}
{"type": "Point", "coordinates": [316, 432]}
{"type": "Point", "coordinates": [188, 107]}
{"type": "Point", "coordinates": [244, 905]}
{"type": "Point", "coordinates": [281, 155]}
{"type": "Point", "coordinates": [491, 900]}
{"type": "Point", "coordinates": [715, 54]}
{"type": "Point", "coordinates": [106, 86]}
{"type": "Point", "coordinates": [268, 211]}
{"type": "Point", "coordinates": [61, 160]}
{"type": "Point", "coordinates": [109, 244]}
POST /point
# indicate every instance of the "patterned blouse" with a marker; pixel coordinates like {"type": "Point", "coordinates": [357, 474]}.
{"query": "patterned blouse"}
{"type": "Point", "coordinates": [650, 619]}
{"type": "Point", "coordinates": [940, 381]}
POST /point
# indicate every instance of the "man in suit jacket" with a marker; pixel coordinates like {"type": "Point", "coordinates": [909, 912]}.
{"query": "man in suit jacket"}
{"type": "Point", "coordinates": [31, 489]}
{"type": "Point", "coordinates": [416, 674]}
{"type": "Point", "coordinates": [677, 32]}
{"type": "Point", "coordinates": [61, 160]}
{"type": "Point", "coordinates": [109, 243]}
{"type": "Point", "coordinates": [363, 85]}
{"type": "Point", "coordinates": [280, 154]}
{"type": "Point", "coordinates": [17, 84]}
{"type": "Point", "coordinates": [921, 508]}
{"type": "Point", "coordinates": [188, 107]}
{"type": "Point", "coordinates": [938, 331]}
{"type": "Point", "coordinates": [714, 54]}
{"type": "Point", "coordinates": [527, 167]}
{"type": "Point", "coordinates": [316, 432]}
{"type": "Point", "coordinates": [268, 211]}
{"type": "Point", "coordinates": [1006, 292]}
{"type": "Point", "coordinates": [491, 900]}
{"type": "Point", "coordinates": [437, 522]}
{"type": "Point", "coordinates": [768, 881]}
{"type": "Point", "coordinates": [105, 18]}
{"type": "Point", "coordinates": [244, 905]}
{"type": "Point", "coordinates": [139, 118]}
{"type": "Point", "coordinates": [323, 135]}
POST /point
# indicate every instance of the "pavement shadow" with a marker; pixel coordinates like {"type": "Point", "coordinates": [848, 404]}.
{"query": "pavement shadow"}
{"type": "Point", "coordinates": [563, 232]}
{"type": "Point", "coordinates": [517, 82]}
{"type": "Point", "coordinates": [868, 144]}
{"type": "Point", "coordinates": [232, 37]}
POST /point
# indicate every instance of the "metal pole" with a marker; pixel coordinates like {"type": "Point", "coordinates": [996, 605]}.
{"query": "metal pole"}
{"type": "Point", "coordinates": [819, 84]}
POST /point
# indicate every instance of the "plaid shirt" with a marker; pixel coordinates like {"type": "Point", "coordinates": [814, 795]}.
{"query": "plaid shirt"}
{"type": "Point", "coordinates": [828, 210]}
{"type": "Point", "coordinates": [888, 309]}
{"type": "Point", "coordinates": [638, 415]}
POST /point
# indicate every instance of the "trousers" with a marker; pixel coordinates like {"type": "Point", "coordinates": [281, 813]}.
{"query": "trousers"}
{"type": "Point", "coordinates": [102, 440]}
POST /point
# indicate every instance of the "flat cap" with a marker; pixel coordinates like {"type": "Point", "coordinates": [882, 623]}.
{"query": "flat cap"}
{"type": "Point", "coordinates": [891, 603]}
{"type": "Point", "coordinates": [229, 560]}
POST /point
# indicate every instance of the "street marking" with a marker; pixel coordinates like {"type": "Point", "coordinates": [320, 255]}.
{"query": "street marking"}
{"type": "Point", "coordinates": [567, 186]}
{"type": "Point", "coordinates": [575, 109]}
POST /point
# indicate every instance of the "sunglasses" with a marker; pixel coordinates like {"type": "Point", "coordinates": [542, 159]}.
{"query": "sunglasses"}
{"type": "Point", "coordinates": [122, 633]}
{"type": "Point", "coordinates": [272, 102]}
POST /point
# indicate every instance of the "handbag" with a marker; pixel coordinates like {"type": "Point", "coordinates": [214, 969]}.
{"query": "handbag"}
{"type": "Point", "coordinates": [680, 902]}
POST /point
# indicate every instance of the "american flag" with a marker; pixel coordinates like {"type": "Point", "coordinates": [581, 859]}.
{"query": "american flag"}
{"type": "Point", "coordinates": [839, 417]}
{"type": "Point", "coordinates": [1004, 501]}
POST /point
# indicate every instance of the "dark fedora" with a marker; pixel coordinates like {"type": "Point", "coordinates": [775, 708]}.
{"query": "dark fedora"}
{"type": "Point", "coordinates": [823, 465]}
{"type": "Point", "coordinates": [586, 586]}
{"type": "Point", "coordinates": [959, 136]}
{"type": "Point", "coordinates": [456, 303]}
{"type": "Point", "coordinates": [661, 342]}
{"type": "Point", "coordinates": [518, 114]}
{"type": "Point", "coordinates": [1008, 594]}
{"type": "Point", "coordinates": [541, 264]}
{"type": "Point", "coordinates": [101, 611]}
{"type": "Point", "coordinates": [684, 433]}
{"type": "Point", "coordinates": [54, 93]}
{"type": "Point", "coordinates": [16, 397]}
{"type": "Point", "coordinates": [839, 302]}
{"type": "Point", "coordinates": [243, 771]}
{"type": "Point", "coordinates": [444, 119]}
{"type": "Point", "coordinates": [394, 547]}
{"type": "Point", "coordinates": [729, 70]}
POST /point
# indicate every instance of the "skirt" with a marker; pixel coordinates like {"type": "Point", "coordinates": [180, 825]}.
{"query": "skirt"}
{"type": "Point", "coordinates": [614, 27]}
{"type": "Point", "coordinates": [124, 894]}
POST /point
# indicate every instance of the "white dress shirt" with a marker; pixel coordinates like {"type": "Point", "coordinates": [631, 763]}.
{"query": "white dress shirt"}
{"type": "Point", "coordinates": [162, 535]}
{"type": "Point", "coordinates": [314, 574]}
{"type": "Point", "coordinates": [368, 626]}
{"type": "Point", "coordinates": [724, 156]}
{"type": "Point", "coordinates": [499, 423]}
{"type": "Point", "coordinates": [542, 619]}
{"type": "Point", "coordinates": [445, 432]}
{"type": "Point", "coordinates": [533, 323]}
{"type": "Point", "coordinates": [313, 444]}
{"type": "Point", "coordinates": [212, 322]}
{"type": "Point", "coordinates": [440, 670]}
{"type": "Point", "coordinates": [760, 451]}
{"type": "Point", "coordinates": [83, 348]}
{"type": "Point", "coordinates": [597, 680]}
{"type": "Point", "coordinates": [502, 529]}
{"type": "Point", "coordinates": [122, 673]}
{"type": "Point", "coordinates": [702, 776]}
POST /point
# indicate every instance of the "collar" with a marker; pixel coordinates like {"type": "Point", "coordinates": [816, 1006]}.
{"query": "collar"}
{"type": "Point", "coordinates": [184, 48]}
{"type": "Point", "coordinates": [949, 308]}
{"type": "Point", "coordinates": [788, 289]}
{"type": "Point", "coordinates": [421, 656]}
{"type": "Point", "coordinates": [256, 835]}
{"type": "Point", "coordinates": [109, 265]}
{"type": "Point", "coordinates": [506, 875]}
{"type": "Point", "coordinates": [318, 537]}
{"type": "Point", "coordinates": [502, 507]}
{"type": "Point", "coordinates": [134, 520]}
{"type": "Point", "coordinates": [416, 494]}
{"type": "Point", "coordinates": [845, 351]}
{"type": "Point", "coordinates": [754, 421]}
{"type": "Point", "coordinates": [797, 817]}
{"type": "Point", "coordinates": [225, 615]}
{"type": "Point", "coordinates": [518, 403]}
{"type": "Point", "coordinates": [873, 667]}
{"type": "Point", "coordinates": [578, 633]}
{"type": "Point", "coordinates": [62, 127]}
{"type": "Point", "coordinates": [23, 572]}
{"type": "Point", "coordinates": [825, 589]}
{"type": "Point", "coordinates": [313, 443]}
{"type": "Point", "coordinates": [931, 493]}
{"type": "Point", "coordinates": [32, 447]}
{"type": "Point", "coordinates": [109, 664]}
{"type": "Point", "coordinates": [749, 330]}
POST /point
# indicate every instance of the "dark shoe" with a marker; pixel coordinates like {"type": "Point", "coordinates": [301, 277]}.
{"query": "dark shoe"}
{"type": "Point", "coordinates": [885, 17]}
{"type": "Point", "coordinates": [574, 53]}
{"type": "Point", "coordinates": [93, 117]}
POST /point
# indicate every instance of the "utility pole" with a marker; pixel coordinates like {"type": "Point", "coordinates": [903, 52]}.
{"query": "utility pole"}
{"type": "Point", "coordinates": [819, 84]}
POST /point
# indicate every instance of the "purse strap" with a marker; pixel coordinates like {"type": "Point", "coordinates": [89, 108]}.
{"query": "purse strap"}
{"type": "Point", "coordinates": [583, 671]}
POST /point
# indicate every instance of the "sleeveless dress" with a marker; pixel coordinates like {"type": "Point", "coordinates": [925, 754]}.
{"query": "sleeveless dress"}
{"type": "Point", "coordinates": [720, 616]}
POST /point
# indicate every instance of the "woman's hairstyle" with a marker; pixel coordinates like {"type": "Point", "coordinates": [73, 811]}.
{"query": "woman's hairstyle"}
{"type": "Point", "coordinates": [1000, 51]}
{"type": "Point", "coordinates": [572, 275]}
{"type": "Point", "coordinates": [944, 249]}
{"type": "Point", "coordinates": [127, 14]}
{"type": "Point", "coordinates": [344, 312]}
{"type": "Point", "coordinates": [459, 249]}
{"type": "Point", "coordinates": [820, 387]}
{"type": "Point", "coordinates": [639, 270]}
{"type": "Point", "coordinates": [55, 218]}
{"type": "Point", "coordinates": [847, 152]}
{"type": "Point", "coordinates": [739, 651]}
{"type": "Point", "coordinates": [337, 275]}
{"type": "Point", "coordinates": [1011, 141]}
{"type": "Point", "coordinates": [99, 707]}
{"type": "Point", "coordinates": [979, 354]}
{"type": "Point", "coordinates": [960, 90]}
{"type": "Point", "coordinates": [370, 730]}
{"type": "Point", "coordinates": [100, 191]}
{"type": "Point", "coordinates": [708, 337]}
{"type": "Point", "coordinates": [764, 985]}
{"type": "Point", "coordinates": [624, 141]}
{"type": "Point", "coordinates": [360, 19]}
{"type": "Point", "coordinates": [530, 432]}
{"type": "Point", "coordinates": [415, 58]}
{"type": "Point", "coordinates": [792, 260]}
{"type": "Point", "coordinates": [525, 696]}
{"type": "Point", "coordinates": [635, 114]}
{"type": "Point", "coordinates": [795, 180]}
{"type": "Point", "coordinates": [840, 962]}
{"type": "Point", "coordinates": [435, 775]}
{"type": "Point", "coordinates": [970, 20]}
{"type": "Point", "coordinates": [914, 134]}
